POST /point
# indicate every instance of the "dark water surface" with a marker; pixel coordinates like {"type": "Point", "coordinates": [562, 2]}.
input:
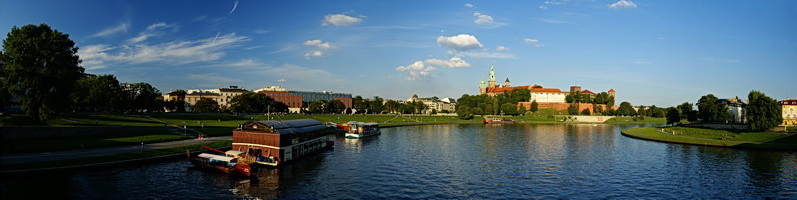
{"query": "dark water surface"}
{"type": "Point", "coordinates": [470, 161]}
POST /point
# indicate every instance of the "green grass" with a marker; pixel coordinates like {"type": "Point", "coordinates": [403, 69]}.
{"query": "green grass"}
{"type": "Point", "coordinates": [776, 141]}
{"type": "Point", "coordinates": [791, 128]}
{"type": "Point", "coordinates": [103, 120]}
{"type": "Point", "coordinates": [17, 120]}
{"type": "Point", "coordinates": [652, 120]}
{"type": "Point", "coordinates": [116, 157]}
{"type": "Point", "coordinates": [758, 137]}
{"type": "Point", "coordinates": [549, 111]}
{"type": "Point", "coordinates": [16, 146]}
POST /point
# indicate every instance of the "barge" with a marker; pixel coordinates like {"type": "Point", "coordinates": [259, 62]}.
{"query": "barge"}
{"type": "Point", "coordinates": [273, 143]}
{"type": "Point", "coordinates": [230, 163]}
{"type": "Point", "coordinates": [355, 129]}
{"type": "Point", "coordinates": [497, 120]}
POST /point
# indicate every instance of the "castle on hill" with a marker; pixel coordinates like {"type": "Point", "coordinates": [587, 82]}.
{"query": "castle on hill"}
{"type": "Point", "coordinates": [546, 97]}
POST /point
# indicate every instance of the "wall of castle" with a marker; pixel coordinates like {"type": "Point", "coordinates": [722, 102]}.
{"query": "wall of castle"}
{"type": "Point", "coordinates": [548, 97]}
{"type": "Point", "coordinates": [563, 106]}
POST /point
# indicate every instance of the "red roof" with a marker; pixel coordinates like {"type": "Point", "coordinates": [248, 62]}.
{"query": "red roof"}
{"type": "Point", "coordinates": [545, 90]}
{"type": "Point", "coordinates": [611, 90]}
{"type": "Point", "coordinates": [587, 91]}
{"type": "Point", "coordinates": [789, 102]}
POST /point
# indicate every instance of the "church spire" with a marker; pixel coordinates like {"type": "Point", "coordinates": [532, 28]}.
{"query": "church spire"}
{"type": "Point", "coordinates": [492, 73]}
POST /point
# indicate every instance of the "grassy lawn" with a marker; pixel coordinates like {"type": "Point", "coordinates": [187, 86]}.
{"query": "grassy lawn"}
{"type": "Point", "coordinates": [791, 128]}
{"type": "Point", "coordinates": [103, 120]}
{"type": "Point", "coordinates": [764, 140]}
{"type": "Point", "coordinates": [117, 157]}
{"type": "Point", "coordinates": [652, 120]}
{"type": "Point", "coordinates": [16, 146]}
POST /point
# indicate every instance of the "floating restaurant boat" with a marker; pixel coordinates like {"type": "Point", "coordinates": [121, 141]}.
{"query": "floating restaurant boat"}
{"type": "Point", "coordinates": [230, 163]}
{"type": "Point", "coordinates": [497, 120]}
{"type": "Point", "coordinates": [359, 129]}
{"type": "Point", "coordinates": [273, 143]}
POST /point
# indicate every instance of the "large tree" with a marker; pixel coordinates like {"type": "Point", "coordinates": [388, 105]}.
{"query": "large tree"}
{"type": "Point", "coordinates": [206, 105]}
{"type": "Point", "coordinates": [376, 105]}
{"type": "Point", "coordinates": [534, 106]}
{"type": "Point", "coordinates": [673, 115]}
{"type": "Point", "coordinates": [250, 102]}
{"type": "Point", "coordinates": [509, 109]}
{"type": "Point", "coordinates": [763, 112]}
{"type": "Point", "coordinates": [685, 108]}
{"type": "Point", "coordinates": [143, 97]}
{"type": "Point", "coordinates": [41, 69]}
{"type": "Point", "coordinates": [625, 109]}
{"type": "Point", "coordinates": [98, 93]}
{"type": "Point", "coordinates": [709, 110]}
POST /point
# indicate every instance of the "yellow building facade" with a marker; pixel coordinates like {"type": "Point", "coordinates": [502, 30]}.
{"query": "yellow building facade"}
{"type": "Point", "coordinates": [789, 107]}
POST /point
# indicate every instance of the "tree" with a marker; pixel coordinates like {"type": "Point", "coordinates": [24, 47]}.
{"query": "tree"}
{"type": "Point", "coordinates": [376, 105]}
{"type": "Point", "coordinates": [41, 69]}
{"type": "Point", "coordinates": [317, 106]}
{"type": "Point", "coordinates": [598, 108]}
{"type": "Point", "coordinates": [206, 105]}
{"type": "Point", "coordinates": [573, 109]}
{"type": "Point", "coordinates": [334, 106]}
{"type": "Point", "coordinates": [464, 113]}
{"type": "Point", "coordinates": [763, 112]}
{"type": "Point", "coordinates": [685, 108]}
{"type": "Point", "coordinates": [586, 112]}
{"type": "Point", "coordinates": [673, 115]}
{"type": "Point", "coordinates": [709, 110]}
{"type": "Point", "coordinates": [509, 109]}
{"type": "Point", "coordinates": [98, 93]}
{"type": "Point", "coordinates": [393, 106]}
{"type": "Point", "coordinates": [521, 110]}
{"type": "Point", "coordinates": [535, 106]}
{"type": "Point", "coordinates": [625, 109]}
{"type": "Point", "coordinates": [477, 111]}
{"type": "Point", "coordinates": [359, 104]}
{"type": "Point", "coordinates": [142, 97]}
{"type": "Point", "coordinates": [250, 102]}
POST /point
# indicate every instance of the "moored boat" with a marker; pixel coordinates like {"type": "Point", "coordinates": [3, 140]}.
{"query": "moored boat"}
{"type": "Point", "coordinates": [230, 163]}
{"type": "Point", "coordinates": [273, 143]}
{"type": "Point", "coordinates": [361, 129]}
{"type": "Point", "coordinates": [497, 120]}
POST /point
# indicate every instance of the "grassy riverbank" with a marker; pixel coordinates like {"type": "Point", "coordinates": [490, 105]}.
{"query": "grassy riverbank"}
{"type": "Point", "coordinates": [64, 143]}
{"type": "Point", "coordinates": [114, 159]}
{"type": "Point", "coordinates": [722, 138]}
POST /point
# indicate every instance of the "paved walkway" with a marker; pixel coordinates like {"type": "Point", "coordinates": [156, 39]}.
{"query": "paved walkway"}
{"type": "Point", "coordinates": [63, 155]}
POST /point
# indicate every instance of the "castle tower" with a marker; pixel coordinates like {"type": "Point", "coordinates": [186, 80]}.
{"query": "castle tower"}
{"type": "Point", "coordinates": [611, 93]}
{"type": "Point", "coordinates": [491, 82]}
{"type": "Point", "coordinates": [575, 88]}
{"type": "Point", "coordinates": [482, 87]}
{"type": "Point", "coordinates": [506, 82]}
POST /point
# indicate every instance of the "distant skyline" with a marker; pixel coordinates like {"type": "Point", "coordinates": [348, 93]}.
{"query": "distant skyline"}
{"type": "Point", "coordinates": [652, 52]}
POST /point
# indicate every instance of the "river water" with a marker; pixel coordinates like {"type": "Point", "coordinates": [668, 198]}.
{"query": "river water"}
{"type": "Point", "coordinates": [462, 161]}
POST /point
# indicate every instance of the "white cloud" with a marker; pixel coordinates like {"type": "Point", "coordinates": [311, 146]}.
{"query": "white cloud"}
{"type": "Point", "coordinates": [420, 69]}
{"type": "Point", "coordinates": [460, 42]}
{"type": "Point", "coordinates": [262, 31]}
{"type": "Point", "coordinates": [175, 52]}
{"type": "Point", "coordinates": [501, 48]}
{"type": "Point", "coordinates": [314, 54]}
{"type": "Point", "coordinates": [340, 20]}
{"type": "Point", "coordinates": [622, 4]}
{"type": "Point", "coordinates": [482, 19]}
{"type": "Point", "coordinates": [113, 30]}
{"type": "Point", "coordinates": [544, 7]}
{"type": "Point", "coordinates": [320, 44]}
{"type": "Point", "coordinates": [282, 80]}
{"type": "Point", "coordinates": [469, 5]}
{"type": "Point", "coordinates": [234, 6]}
{"type": "Point", "coordinates": [153, 30]}
{"type": "Point", "coordinates": [533, 42]}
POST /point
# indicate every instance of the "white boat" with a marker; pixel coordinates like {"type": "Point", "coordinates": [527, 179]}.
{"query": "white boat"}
{"type": "Point", "coordinates": [361, 129]}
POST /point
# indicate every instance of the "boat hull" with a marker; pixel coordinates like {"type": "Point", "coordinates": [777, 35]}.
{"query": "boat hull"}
{"type": "Point", "coordinates": [364, 134]}
{"type": "Point", "coordinates": [239, 169]}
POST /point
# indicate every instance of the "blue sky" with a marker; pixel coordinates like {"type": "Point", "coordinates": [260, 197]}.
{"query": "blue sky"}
{"type": "Point", "coordinates": [651, 52]}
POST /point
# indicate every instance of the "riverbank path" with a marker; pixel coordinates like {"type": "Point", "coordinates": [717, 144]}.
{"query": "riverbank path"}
{"type": "Point", "coordinates": [64, 155]}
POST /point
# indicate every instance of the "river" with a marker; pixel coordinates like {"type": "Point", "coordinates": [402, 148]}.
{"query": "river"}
{"type": "Point", "coordinates": [458, 161]}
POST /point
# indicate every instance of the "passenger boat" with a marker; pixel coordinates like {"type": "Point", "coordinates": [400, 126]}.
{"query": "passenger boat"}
{"type": "Point", "coordinates": [497, 120]}
{"type": "Point", "coordinates": [361, 129]}
{"type": "Point", "coordinates": [230, 163]}
{"type": "Point", "coordinates": [273, 143]}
